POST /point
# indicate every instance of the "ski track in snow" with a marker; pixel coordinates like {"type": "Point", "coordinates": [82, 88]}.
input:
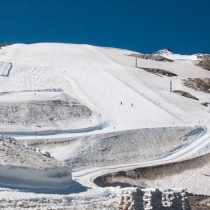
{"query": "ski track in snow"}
{"type": "Point", "coordinates": [99, 89]}
{"type": "Point", "coordinates": [87, 177]}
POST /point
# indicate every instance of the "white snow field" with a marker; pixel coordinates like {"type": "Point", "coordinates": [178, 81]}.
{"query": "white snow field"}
{"type": "Point", "coordinates": [97, 113]}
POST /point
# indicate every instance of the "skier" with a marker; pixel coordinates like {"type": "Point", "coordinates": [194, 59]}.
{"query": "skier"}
{"type": "Point", "coordinates": [121, 103]}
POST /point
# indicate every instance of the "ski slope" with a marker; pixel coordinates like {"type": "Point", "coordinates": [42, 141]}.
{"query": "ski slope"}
{"type": "Point", "coordinates": [108, 94]}
{"type": "Point", "coordinates": [101, 79]}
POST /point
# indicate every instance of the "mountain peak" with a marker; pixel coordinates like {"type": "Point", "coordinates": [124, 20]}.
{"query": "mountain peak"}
{"type": "Point", "coordinates": [164, 51]}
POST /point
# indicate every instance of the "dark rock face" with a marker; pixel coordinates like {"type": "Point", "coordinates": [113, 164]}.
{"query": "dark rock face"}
{"type": "Point", "coordinates": [159, 71]}
{"type": "Point", "coordinates": [3, 45]}
{"type": "Point", "coordinates": [151, 57]}
{"type": "Point", "coordinates": [204, 56]}
{"type": "Point", "coordinates": [198, 84]}
{"type": "Point", "coordinates": [185, 94]}
{"type": "Point", "coordinates": [205, 64]}
{"type": "Point", "coordinates": [205, 104]}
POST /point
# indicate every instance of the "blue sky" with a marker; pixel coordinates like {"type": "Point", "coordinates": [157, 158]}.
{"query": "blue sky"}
{"type": "Point", "coordinates": [140, 25]}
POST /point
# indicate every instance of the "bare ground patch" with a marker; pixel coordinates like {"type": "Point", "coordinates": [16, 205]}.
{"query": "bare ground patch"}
{"type": "Point", "coordinates": [151, 57]}
{"type": "Point", "coordinates": [198, 84]}
{"type": "Point", "coordinates": [204, 56]}
{"type": "Point", "coordinates": [205, 104]}
{"type": "Point", "coordinates": [185, 94]}
{"type": "Point", "coordinates": [205, 64]}
{"type": "Point", "coordinates": [158, 72]}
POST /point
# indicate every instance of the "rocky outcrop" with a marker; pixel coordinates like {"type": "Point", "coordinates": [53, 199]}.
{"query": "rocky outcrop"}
{"type": "Point", "coordinates": [159, 72]}
{"type": "Point", "coordinates": [185, 94]}
{"type": "Point", "coordinates": [205, 104]}
{"type": "Point", "coordinates": [205, 64]}
{"type": "Point", "coordinates": [203, 56]}
{"type": "Point", "coordinates": [198, 84]}
{"type": "Point", "coordinates": [151, 57]}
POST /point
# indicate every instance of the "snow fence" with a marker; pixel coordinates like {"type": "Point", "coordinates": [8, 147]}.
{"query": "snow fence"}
{"type": "Point", "coordinates": [152, 199]}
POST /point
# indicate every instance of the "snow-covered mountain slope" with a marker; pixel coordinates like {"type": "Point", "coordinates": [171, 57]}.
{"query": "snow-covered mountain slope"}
{"type": "Point", "coordinates": [100, 79]}
{"type": "Point", "coordinates": [104, 106]}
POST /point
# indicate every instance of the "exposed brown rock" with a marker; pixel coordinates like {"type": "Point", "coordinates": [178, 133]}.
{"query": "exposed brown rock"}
{"type": "Point", "coordinates": [204, 56]}
{"type": "Point", "coordinates": [159, 71]}
{"type": "Point", "coordinates": [198, 84]}
{"type": "Point", "coordinates": [205, 104]}
{"type": "Point", "coordinates": [151, 57]}
{"type": "Point", "coordinates": [185, 94]}
{"type": "Point", "coordinates": [205, 64]}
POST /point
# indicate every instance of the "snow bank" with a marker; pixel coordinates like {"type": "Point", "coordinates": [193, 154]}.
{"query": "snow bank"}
{"type": "Point", "coordinates": [123, 147]}
{"type": "Point", "coordinates": [25, 167]}
{"type": "Point", "coordinates": [92, 199]}
{"type": "Point", "coordinates": [45, 112]}
{"type": "Point", "coordinates": [192, 174]}
{"type": "Point", "coordinates": [51, 179]}
{"type": "Point", "coordinates": [5, 69]}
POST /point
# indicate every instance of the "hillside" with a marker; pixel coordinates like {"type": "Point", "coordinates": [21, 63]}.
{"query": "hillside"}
{"type": "Point", "coordinates": [103, 110]}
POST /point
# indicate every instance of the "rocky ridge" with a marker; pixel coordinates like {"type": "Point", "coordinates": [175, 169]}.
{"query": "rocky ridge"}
{"type": "Point", "coordinates": [198, 84]}
{"type": "Point", "coordinates": [154, 57]}
{"type": "Point", "coordinates": [204, 63]}
{"type": "Point", "coordinates": [185, 94]}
